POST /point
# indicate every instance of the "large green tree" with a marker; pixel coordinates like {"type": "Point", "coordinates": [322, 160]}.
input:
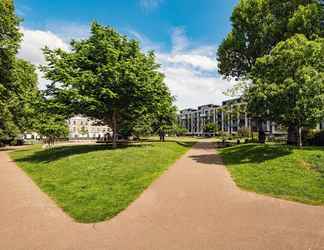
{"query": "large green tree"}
{"type": "Point", "coordinates": [9, 45]}
{"type": "Point", "coordinates": [288, 84]}
{"type": "Point", "coordinates": [257, 27]}
{"type": "Point", "coordinates": [18, 79]}
{"type": "Point", "coordinates": [108, 78]}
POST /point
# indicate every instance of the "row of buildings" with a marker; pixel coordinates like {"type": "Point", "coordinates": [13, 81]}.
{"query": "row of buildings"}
{"type": "Point", "coordinates": [228, 118]}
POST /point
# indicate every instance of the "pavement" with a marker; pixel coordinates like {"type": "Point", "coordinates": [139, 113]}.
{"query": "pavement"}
{"type": "Point", "coordinates": [193, 205]}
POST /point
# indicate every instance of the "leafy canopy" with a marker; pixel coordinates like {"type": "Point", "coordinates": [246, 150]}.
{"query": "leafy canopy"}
{"type": "Point", "coordinates": [258, 25]}
{"type": "Point", "coordinates": [108, 78]}
{"type": "Point", "coordinates": [288, 84]}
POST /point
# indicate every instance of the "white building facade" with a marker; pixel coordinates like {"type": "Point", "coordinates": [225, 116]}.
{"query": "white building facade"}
{"type": "Point", "coordinates": [81, 127]}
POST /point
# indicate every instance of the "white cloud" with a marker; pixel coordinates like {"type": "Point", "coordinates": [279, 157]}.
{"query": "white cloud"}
{"type": "Point", "coordinates": [35, 40]}
{"type": "Point", "coordinates": [179, 39]}
{"type": "Point", "coordinates": [150, 4]}
{"type": "Point", "coordinates": [191, 72]}
{"type": "Point", "coordinates": [32, 44]}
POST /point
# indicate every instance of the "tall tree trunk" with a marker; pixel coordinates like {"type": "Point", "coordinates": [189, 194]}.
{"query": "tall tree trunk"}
{"type": "Point", "coordinates": [114, 124]}
{"type": "Point", "coordinates": [292, 135]}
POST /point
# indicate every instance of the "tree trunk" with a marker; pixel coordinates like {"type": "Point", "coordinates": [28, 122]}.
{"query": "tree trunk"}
{"type": "Point", "coordinates": [300, 139]}
{"type": "Point", "coordinates": [261, 132]}
{"type": "Point", "coordinates": [114, 125]}
{"type": "Point", "coordinates": [292, 135]}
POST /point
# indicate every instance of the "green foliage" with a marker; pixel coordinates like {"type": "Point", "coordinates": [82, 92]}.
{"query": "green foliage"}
{"type": "Point", "coordinates": [277, 170]}
{"type": "Point", "coordinates": [108, 78]}
{"type": "Point", "coordinates": [258, 25]}
{"type": "Point", "coordinates": [210, 128]}
{"type": "Point", "coordinates": [93, 183]}
{"type": "Point", "coordinates": [9, 45]}
{"type": "Point", "coordinates": [288, 84]}
{"type": "Point", "coordinates": [51, 123]}
{"type": "Point", "coordinates": [10, 38]}
{"type": "Point", "coordinates": [178, 130]}
{"type": "Point", "coordinates": [306, 20]}
{"type": "Point", "coordinates": [24, 95]}
{"type": "Point", "coordinates": [244, 132]}
{"type": "Point", "coordinates": [18, 79]}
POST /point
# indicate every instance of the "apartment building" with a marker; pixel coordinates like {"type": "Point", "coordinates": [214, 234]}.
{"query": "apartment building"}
{"type": "Point", "coordinates": [228, 118]}
{"type": "Point", "coordinates": [81, 127]}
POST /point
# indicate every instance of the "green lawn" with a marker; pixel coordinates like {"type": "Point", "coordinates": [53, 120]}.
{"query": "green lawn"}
{"type": "Point", "coordinates": [278, 170]}
{"type": "Point", "coordinates": [93, 183]}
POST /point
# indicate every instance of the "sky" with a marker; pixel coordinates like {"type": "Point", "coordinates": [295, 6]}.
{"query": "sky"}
{"type": "Point", "coordinates": [184, 34]}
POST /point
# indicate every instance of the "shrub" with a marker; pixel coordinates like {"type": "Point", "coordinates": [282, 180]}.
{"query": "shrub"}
{"type": "Point", "coordinates": [315, 138]}
{"type": "Point", "coordinates": [318, 139]}
{"type": "Point", "coordinates": [243, 132]}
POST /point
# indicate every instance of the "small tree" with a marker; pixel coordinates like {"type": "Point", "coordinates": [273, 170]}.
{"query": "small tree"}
{"type": "Point", "coordinates": [83, 131]}
{"type": "Point", "coordinates": [53, 128]}
{"type": "Point", "coordinates": [210, 128]}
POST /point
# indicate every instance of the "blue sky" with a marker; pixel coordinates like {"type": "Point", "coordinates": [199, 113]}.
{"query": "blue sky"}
{"type": "Point", "coordinates": [184, 34]}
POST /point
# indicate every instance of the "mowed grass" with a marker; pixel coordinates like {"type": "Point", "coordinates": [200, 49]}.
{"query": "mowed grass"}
{"type": "Point", "coordinates": [278, 170]}
{"type": "Point", "coordinates": [93, 183]}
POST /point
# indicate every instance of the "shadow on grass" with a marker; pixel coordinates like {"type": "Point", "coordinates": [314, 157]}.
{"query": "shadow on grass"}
{"type": "Point", "coordinates": [254, 153]}
{"type": "Point", "coordinates": [60, 152]}
{"type": "Point", "coordinates": [185, 144]}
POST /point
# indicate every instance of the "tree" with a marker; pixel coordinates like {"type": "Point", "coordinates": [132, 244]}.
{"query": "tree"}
{"type": "Point", "coordinates": [24, 95]}
{"type": "Point", "coordinates": [50, 124]}
{"type": "Point", "coordinates": [257, 27]}
{"type": "Point", "coordinates": [288, 84]}
{"type": "Point", "coordinates": [9, 44]}
{"type": "Point", "coordinates": [106, 77]}
{"type": "Point", "coordinates": [210, 128]}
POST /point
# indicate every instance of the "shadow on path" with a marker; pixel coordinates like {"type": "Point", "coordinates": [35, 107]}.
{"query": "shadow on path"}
{"type": "Point", "coordinates": [208, 159]}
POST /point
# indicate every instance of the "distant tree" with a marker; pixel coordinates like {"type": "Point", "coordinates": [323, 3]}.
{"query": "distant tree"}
{"type": "Point", "coordinates": [24, 96]}
{"type": "Point", "coordinates": [289, 85]}
{"type": "Point", "coordinates": [210, 128]}
{"type": "Point", "coordinates": [106, 77]}
{"type": "Point", "coordinates": [164, 118]}
{"type": "Point", "coordinates": [50, 124]}
{"type": "Point", "coordinates": [84, 131]}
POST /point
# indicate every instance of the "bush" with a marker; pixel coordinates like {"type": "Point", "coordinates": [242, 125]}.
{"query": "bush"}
{"type": "Point", "coordinates": [243, 132]}
{"type": "Point", "coordinates": [318, 139]}
{"type": "Point", "coordinates": [314, 138]}
{"type": "Point", "coordinates": [210, 128]}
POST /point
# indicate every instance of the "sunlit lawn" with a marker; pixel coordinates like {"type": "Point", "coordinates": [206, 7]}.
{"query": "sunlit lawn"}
{"type": "Point", "coordinates": [93, 183]}
{"type": "Point", "coordinates": [278, 170]}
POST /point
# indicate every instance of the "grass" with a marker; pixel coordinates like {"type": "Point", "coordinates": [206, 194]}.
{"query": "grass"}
{"type": "Point", "coordinates": [93, 183]}
{"type": "Point", "coordinates": [278, 170]}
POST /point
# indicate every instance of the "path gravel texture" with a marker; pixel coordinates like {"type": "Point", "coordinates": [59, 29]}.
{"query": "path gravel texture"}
{"type": "Point", "coordinates": [193, 205]}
